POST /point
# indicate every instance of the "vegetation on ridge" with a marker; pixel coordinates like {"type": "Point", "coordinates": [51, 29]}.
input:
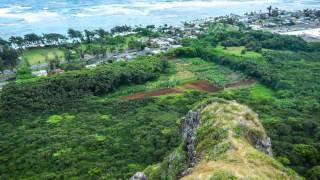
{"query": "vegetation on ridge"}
{"type": "Point", "coordinates": [225, 145]}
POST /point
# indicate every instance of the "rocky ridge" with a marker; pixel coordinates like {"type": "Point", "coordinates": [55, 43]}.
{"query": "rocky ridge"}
{"type": "Point", "coordinates": [220, 138]}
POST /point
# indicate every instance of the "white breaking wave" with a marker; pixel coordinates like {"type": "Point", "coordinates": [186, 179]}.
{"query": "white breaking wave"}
{"type": "Point", "coordinates": [58, 15]}
{"type": "Point", "coordinates": [22, 14]}
{"type": "Point", "coordinates": [133, 8]}
{"type": "Point", "coordinates": [144, 8]}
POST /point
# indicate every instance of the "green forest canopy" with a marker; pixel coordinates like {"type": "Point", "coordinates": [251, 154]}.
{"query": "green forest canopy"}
{"type": "Point", "coordinates": [67, 121]}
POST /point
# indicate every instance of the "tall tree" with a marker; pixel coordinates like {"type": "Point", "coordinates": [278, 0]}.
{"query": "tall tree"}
{"type": "Point", "coordinates": [53, 38]}
{"type": "Point", "coordinates": [17, 41]}
{"type": "Point", "coordinates": [89, 35]}
{"type": "Point", "coordinates": [75, 35]}
{"type": "Point", "coordinates": [1, 65]}
{"type": "Point", "coordinates": [9, 56]}
{"type": "Point", "coordinates": [67, 55]}
{"type": "Point", "coordinates": [269, 8]}
{"type": "Point", "coordinates": [120, 29]}
{"type": "Point", "coordinates": [32, 39]}
{"type": "Point", "coordinates": [101, 33]}
{"type": "Point", "coordinates": [3, 42]}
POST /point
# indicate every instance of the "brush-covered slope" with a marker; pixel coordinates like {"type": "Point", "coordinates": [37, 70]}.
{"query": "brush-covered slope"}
{"type": "Point", "coordinates": [222, 140]}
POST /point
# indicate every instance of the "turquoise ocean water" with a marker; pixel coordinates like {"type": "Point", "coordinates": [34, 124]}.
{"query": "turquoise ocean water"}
{"type": "Point", "coordinates": [18, 17]}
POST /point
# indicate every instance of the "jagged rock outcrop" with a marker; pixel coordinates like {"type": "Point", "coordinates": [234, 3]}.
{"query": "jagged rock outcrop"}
{"type": "Point", "coordinates": [139, 176]}
{"type": "Point", "coordinates": [231, 143]}
{"type": "Point", "coordinates": [188, 129]}
{"type": "Point", "coordinates": [221, 140]}
{"type": "Point", "coordinates": [264, 145]}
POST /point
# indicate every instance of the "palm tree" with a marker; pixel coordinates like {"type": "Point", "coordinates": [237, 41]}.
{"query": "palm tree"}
{"type": "Point", "coordinates": [269, 10]}
{"type": "Point", "coordinates": [75, 35]}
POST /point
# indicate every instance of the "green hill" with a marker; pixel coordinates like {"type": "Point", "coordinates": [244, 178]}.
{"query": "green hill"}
{"type": "Point", "coordinates": [222, 140]}
{"type": "Point", "coordinates": [120, 118]}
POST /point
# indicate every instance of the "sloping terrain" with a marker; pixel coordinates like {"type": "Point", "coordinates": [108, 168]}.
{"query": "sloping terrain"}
{"type": "Point", "coordinates": [117, 138]}
{"type": "Point", "coordinates": [196, 85]}
{"type": "Point", "coordinates": [222, 140]}
{"type": "Point", "coordinates": [76, 125]}
{"type": "Point", "coordinates": [242, 153]}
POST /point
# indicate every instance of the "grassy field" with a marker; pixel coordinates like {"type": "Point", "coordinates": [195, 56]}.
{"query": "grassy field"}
{"type": "Point", "coordinates": [236, 51]}
{"type": "Point", "coordinates": [121, 45]}
{"type": "Point", "coordinates": [38, 56]}
{"type": "Point", "coordinates": [183, 71]}
{"type": "Point", "coordinates": [204, 70]}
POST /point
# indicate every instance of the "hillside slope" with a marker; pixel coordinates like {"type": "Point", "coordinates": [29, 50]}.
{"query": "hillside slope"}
{"type": "Point", "coordinates": [222, 140]}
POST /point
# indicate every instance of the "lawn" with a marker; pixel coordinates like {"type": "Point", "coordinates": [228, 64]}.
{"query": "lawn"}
{"type": "Point", "coordinates": [38, 55]}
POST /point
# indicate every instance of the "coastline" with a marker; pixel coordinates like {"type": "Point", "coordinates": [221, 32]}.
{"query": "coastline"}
{"type": "Point", "coordinates": [26, 19]}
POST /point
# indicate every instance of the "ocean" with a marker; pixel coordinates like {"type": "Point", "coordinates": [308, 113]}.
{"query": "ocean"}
{"type": "Point", "coordinates": [19, 17]}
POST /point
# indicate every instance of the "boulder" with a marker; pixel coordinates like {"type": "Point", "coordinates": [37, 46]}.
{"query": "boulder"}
{"type": "Point", "coordinates": [139, 176]}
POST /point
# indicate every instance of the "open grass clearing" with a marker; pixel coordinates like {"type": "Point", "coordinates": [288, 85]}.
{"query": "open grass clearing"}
{"type": "Point", "coordinates": [201, 85]}
{"type": "Point", "coordinates": [184, 74]}
{"type": "Point", "coordinates": [40, 55]}
{"type": "Point", "coordinates": [236, 51]}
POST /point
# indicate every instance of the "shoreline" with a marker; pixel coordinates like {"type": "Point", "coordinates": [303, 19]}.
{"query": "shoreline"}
{"type": "Point", "coordinates": [99, 15]}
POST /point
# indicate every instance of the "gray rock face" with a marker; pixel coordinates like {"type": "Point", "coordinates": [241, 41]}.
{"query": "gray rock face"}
{"type": "Point", "coordinates": [264, 145]}
{"type": "Point", "coordinates": [188, 130]}
{"type": "Point", "coordinates": [139, 176]}
{"type": "Point", "coordinates": [189, 126]}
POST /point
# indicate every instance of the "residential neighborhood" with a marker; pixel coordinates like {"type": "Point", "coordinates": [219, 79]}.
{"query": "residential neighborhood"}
{"type": "Point", "coordinates": [304, 23]}
{"type": "Point", "coordinates": [151, 40]}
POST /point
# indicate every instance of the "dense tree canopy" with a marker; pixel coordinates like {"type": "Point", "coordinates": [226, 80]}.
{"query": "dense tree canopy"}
{"type": "Point", "coordinates": [54, 91]}
{"type": "Point", "coordinates": [291, 69]}
{"type": "Point", "coordinates": [8, 57]}
{"type": "Point", "coordinates": [264, 39]}
{"type": "Point", "coordinates": [42, 118]}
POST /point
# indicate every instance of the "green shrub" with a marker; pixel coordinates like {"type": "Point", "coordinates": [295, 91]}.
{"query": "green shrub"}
{"type": "Point", "coordinates": [314, 173]}
{"type": "Point", "coordinates": [174, 164]}
{"type": "Point", "coordinates": [183, 52]}
{"type": "Point", "coordinates": [54, 119]}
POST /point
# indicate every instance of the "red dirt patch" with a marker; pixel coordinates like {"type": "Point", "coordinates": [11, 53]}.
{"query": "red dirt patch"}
{"type": "Point", "coordinates": [202, 86]}
{"type": "Point", "coordinates": [198, 85]}
{"type": "Point", "coordinates": [240, 83]}
{"type": "Point", "coordinates": [159, 92]}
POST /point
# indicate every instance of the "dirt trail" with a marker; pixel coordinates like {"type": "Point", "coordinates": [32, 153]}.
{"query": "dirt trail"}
{"type": "Point", "coordinates": [202, 85]}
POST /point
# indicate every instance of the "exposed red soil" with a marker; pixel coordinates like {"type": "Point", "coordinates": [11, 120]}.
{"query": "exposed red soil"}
{"type": "Point", "coordinates": [240, 83]}
{"type": "Point", "coordinates": [159, 92]}
{"type": "Point", "coordinates": [202, 86]}
{"type": "Point", "coordinates": [199, 85]}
